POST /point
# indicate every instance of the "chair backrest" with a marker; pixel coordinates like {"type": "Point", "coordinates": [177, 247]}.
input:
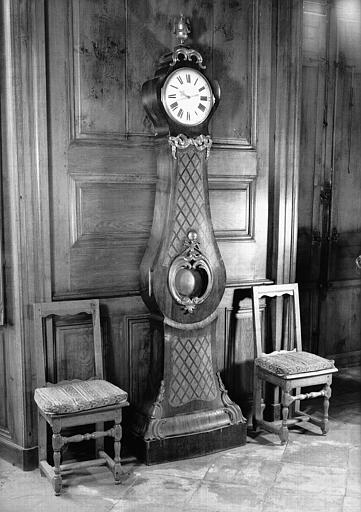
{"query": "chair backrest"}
{"type": "Point", "coordinates": [45, 314]}
{"type": "Point", "coordinates": [286, 319]}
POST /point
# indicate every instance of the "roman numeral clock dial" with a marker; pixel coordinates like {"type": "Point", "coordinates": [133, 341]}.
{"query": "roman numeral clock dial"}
{"type": "Point", "coordinates": [187, 97]}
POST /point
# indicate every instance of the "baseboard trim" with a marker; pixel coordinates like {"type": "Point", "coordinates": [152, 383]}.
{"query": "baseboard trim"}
{"type": "Point", "coordinates": [24, 458]}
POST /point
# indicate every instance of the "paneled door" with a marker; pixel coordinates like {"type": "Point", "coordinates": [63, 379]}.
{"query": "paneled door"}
{"type": "Point", "coordinates": [102, 158]}
{"type": "Point", "coordinates": [330, 179]}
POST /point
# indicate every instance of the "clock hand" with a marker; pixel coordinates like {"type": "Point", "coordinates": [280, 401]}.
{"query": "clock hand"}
{"type": "Point", "coordinates": [185, 95]}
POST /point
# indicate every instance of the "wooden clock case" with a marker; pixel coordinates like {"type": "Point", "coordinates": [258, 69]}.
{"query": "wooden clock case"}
{"type": "Point", "coordinates": [187, 411]}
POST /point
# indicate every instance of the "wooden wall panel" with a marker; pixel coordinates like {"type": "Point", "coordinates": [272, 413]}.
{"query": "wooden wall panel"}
{"type": "Point", "coordinates": [104, 170]}
{"type": "Point", "coordinates": [235, 29]}
{"type": "Point", "coordinates": [98, 38]}
{"type": "Point", "coordinates": [109, 40]}
{"type": "Point", "coordinates": [112, 213]}
{"type": "Point", "coordinates": [329, 238]}
{"type": "Point", "coordinates": [341, 311]}
{"type": "Point", "coordinates": [2, 283]}
{"type": "Point", "coordinates": [74, 354]}
{"type": "Point", "coordinates": [232, 208]}
{"type": "Point", "coordinates": [137, 332]}
{"type": "Point", "coordinates": [3, 391]}
{"type": "Point", "coordinates": [90, 275]}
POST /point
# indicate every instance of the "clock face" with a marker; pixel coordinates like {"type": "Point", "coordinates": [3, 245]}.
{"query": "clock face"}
{"type": "Point", "coordinates": [187, 97]}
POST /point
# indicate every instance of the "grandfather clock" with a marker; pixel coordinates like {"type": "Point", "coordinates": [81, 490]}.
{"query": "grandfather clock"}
{"type": "Point", "coordinates": [187, 411]}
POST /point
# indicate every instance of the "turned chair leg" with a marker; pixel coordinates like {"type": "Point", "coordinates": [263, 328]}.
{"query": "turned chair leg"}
{"type": "Point", "coordinates": [326, 403]}
{"type": "Point", "coordinates": [57, 443]}
{"type": "Point", "coordinates": [117, 446]}
{"type": "Point", "coordinates": [285, 401]}
{"type": "Point", "coordinates": [99, 442]}
{"type": "Point", "coordinates": [257, 401]}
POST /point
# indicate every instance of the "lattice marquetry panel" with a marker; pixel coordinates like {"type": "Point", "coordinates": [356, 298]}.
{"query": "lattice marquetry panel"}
{"type": "Point", "coordinates": [192, 377]}
{"type": "Point", "coordinates": [189, 212]}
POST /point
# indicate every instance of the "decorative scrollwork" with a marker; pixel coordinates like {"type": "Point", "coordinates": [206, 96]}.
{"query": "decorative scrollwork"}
{"type": "Point", "coordinates": [188, 54]}
{"type": "Point", "coordinates": [358, 262]}
{"type": "Point", "coordinates": [156, 420]}
{"type": "Point", "coordinates": [157, 411]}
{"type": "Point", "coordinates": [232, 409]}
{"type": "Point", "coordinates": [181, 141]}
{"type": "Point", "coordinates": [196, 269]}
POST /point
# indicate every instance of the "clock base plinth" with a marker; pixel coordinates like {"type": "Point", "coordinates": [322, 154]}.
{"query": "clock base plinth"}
{"type": "Point", "coordinates": [156, 451]}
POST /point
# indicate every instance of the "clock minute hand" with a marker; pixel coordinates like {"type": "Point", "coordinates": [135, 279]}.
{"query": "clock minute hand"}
{"type": "Point", "coordinates": [185, 96]}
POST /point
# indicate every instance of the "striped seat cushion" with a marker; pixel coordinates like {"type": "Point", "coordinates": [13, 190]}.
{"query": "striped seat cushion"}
{"type": "Point", "coordinates": [286, 363]}
{"type": "Point", "coordinates": [77, 395]}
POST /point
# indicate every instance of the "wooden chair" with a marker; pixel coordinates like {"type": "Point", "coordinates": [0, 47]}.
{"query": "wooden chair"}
{"type": "Point", "coordinates": [287, 367]}
{"type": "Point", "coordinates": [73, 403]}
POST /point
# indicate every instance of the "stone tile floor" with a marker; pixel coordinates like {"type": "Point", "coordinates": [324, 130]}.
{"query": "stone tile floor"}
{"type": "Point", "coordinates": [312, 473]}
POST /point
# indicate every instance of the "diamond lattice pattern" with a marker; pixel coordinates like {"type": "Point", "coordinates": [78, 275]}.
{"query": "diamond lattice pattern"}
{"type": "Point", "coordinates": [190, 200]}
{"type": "Point", "coordinates": [192, 377]}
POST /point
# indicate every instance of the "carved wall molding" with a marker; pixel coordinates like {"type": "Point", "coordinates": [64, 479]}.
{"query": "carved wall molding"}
{"type": "Point", "coordinates": [136, 347]}
{"type": "Point", "coordinates": [111, 230]}
{"type": "Point", "coordinates": [243, 188]}
{"type": "Point", "coordinates": [287, 121]}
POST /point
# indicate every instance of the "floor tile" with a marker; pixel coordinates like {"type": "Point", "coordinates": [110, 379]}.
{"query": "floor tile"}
{"type": "Point", "coordinates": [296, 501]}
{"type": "Point", "coordinates": [313, 451]}
{"type": "Point", "coordinates": [352, 503]}
{"type": "Point", "coordinates": [130, 506]}
{"type": "Point", "coordinates": [221, 497]}
{"type": "Point", "coordinates": [264, 445]}
{"type": "Point", "coordinates": [345, 434]}
{"type": "Point", "coordinates": [96, 482]}
{"type": "Point", "coordinates": [243, 471]}
{"type": "Point", "coordinates": [150, 488]}
{"type": "Point", "coordinates": [47, 502]}
{"type": "Point", "coordinates": [190, 468]}
{"type": "Point", "coordinates": [354, 460]}
{"type": "Point", "coordinates": [347, 414]}
{"type": "Point", "coordinates": [314, 479]}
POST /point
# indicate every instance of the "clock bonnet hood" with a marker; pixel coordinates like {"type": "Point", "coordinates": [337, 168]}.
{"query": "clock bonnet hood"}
{"type": "Point", "coordinates": [188, 108]}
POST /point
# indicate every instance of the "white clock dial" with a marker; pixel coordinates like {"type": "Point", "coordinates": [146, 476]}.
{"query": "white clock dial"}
{"type": "Point", "coordinates": [187, 96]}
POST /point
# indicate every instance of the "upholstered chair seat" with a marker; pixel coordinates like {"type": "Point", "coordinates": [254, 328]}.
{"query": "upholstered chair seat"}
{"type": "Point", "coordinates": [285, 363]}
{"type": "Point", "coordinates": [77, 395]}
